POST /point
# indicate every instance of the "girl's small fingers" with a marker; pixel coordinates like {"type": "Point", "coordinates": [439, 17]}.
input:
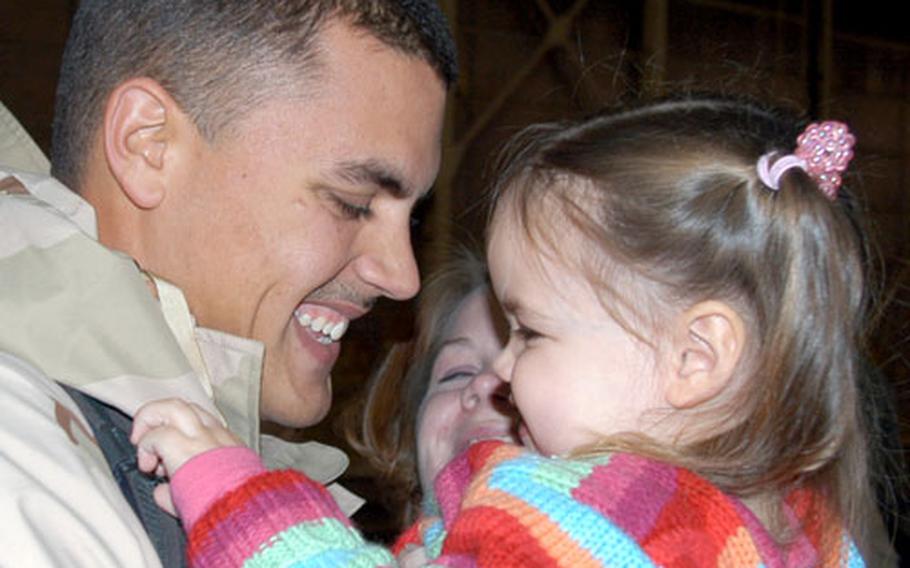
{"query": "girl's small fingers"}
{"type": "Point", "coordinates": [157, 413]}
{"type": "Point", "coordinates": [162, 496]}
{"type": "Point", "coordinates": [167, 445]}
{"type": "Point", "coordinates": [145, 460]}
{"type": "Point", "coordinates": [169, 412]}
{"type": "Point", "coordinates": [143, 421]}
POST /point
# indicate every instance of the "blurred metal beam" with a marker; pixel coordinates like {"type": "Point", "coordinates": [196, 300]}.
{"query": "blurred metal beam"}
{"type": "Point", "coordinates": [440, 217]}
{"type": "Point", "coordinates": [654, 46]}
{"type": "Point", "coordinates": [819, 50]}
{"type": "Point", "coordinates": [826, 58]}
{"type": "Point", "coordinates": [799, 19]}
{"type": "Point", "coordinates": [454, 147]}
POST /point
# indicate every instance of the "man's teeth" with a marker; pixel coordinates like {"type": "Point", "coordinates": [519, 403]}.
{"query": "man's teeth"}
{"type": "Point", "coordinates": [330, 330]}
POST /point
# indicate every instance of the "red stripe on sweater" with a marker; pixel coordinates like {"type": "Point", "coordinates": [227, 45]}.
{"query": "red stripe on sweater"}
{"type": "Point", "coordinates": [247, 517]}
{"type": "Point", "coordinates": [694, 526]}
{"type": "Point", "coordinates": [496, 540]}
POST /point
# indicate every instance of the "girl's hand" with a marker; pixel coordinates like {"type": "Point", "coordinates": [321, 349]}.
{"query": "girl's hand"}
{"type": "Point", "coordinates": [168, 433]}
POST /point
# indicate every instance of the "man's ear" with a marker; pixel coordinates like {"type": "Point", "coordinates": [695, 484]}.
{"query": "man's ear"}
{"type": "Point", "coordinates": [708, 344]}
{"type": "Point", "coordinates": [138, 127]}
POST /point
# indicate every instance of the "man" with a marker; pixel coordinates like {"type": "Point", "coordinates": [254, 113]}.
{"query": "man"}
{"type": "Point", "coordinates": [242, 179]}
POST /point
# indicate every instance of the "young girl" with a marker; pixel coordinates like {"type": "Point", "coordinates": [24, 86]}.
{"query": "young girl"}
{"type": "Point", "coordinates": [685, 284]}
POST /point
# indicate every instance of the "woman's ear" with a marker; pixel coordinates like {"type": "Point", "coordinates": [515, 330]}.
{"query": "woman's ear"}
{"type": "Point", "coordinates": [708, 344]}
{"type": "Point", "coordinates": [138, 127]}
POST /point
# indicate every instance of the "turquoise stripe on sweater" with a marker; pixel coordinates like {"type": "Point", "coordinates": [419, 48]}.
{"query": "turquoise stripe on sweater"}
{"type": "Point", "coordinates": [546, 486]}
{"type": "Point", "coordinates": [326, 542]}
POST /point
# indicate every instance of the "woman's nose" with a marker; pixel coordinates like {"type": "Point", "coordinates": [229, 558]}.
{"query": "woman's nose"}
{"type": "Point", "coordinates": [483, 388]}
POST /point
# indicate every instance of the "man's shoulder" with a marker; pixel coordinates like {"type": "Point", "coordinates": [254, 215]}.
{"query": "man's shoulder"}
{"type": "Point", "coordinates": [40, 415]}
{"type": "Point", "coordinates": [36, 207]}
{"type": "Point", "coordinates": [83, 313]}
{"type": "Point", "coordinates": [30, 224]}
{"type": "Point", "coordinates": [17, 149]}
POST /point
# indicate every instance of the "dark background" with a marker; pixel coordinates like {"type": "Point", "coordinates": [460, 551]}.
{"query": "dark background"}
{"type": "Point", "coordinates": [845, 59]}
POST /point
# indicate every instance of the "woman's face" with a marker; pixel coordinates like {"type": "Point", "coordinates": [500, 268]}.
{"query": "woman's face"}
{"type": "Point", "coordinates": [465, 400]}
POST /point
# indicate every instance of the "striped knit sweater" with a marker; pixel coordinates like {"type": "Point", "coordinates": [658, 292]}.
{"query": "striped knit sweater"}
{"type": "Point", "coordinates": [500, 506]}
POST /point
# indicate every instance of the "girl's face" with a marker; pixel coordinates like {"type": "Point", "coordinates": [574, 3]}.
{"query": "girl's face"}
{"type": "Point", "coordinates": [465, 400]}
{"type": "Point", "coordinates": [576, 374]}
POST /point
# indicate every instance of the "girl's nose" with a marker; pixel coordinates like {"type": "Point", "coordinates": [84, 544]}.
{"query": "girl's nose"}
{"type": "Point", "coordinates": [502, 365]}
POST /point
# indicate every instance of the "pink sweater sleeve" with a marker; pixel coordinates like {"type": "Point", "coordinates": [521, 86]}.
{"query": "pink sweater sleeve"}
{"type": "Point", "coordinates": [205, 478]}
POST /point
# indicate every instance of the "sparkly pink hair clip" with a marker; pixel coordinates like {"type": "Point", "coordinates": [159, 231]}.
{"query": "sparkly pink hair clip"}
{"type": "Point", "coordinates": [823, 150]}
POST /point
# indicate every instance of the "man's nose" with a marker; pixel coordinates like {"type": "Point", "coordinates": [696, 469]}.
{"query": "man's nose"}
{"type": "Point", "coordinates": [388, 265]}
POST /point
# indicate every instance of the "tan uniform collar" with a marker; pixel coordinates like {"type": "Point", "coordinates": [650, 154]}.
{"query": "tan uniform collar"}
{"type": "Point", "coordinates": [230, 369]}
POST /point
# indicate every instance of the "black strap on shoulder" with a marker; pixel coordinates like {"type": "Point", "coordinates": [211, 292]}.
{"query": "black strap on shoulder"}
{"type": "Point", "coordinates": [112, 431]}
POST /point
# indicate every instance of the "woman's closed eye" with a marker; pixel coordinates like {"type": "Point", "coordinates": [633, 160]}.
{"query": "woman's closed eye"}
{"type": "Point", "coordinates": [456, 375]}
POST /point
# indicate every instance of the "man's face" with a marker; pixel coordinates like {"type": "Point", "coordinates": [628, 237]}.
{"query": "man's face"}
{"type": "Point", "coordinates": [296, 218]}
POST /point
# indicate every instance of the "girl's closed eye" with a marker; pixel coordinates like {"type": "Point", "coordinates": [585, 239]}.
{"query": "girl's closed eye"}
{"type": "Point", "coordinates": [526, 334]}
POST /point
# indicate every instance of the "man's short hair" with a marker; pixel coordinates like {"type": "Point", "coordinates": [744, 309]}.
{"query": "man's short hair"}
{"type": "Point", "coordinates": [218, 59]}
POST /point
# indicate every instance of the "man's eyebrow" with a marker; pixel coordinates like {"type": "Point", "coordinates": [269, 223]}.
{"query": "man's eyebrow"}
{"type": "Point", "coordinates": [374, 173]}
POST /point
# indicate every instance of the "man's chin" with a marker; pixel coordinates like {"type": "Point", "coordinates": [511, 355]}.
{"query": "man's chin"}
{"type": "Point", "coordinates": [295, 418]}
{"type": "Point", "coordinates": [298, 410]}
{"type": "Point", "coordinates": [297, 384]}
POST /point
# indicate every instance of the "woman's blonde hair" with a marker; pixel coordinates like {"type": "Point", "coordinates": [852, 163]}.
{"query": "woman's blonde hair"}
{"type": "Point", "coordinates": [670, 211]}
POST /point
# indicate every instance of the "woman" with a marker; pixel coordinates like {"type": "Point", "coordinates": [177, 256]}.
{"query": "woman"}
{"type": "Point", "coordinates": [436, 393]}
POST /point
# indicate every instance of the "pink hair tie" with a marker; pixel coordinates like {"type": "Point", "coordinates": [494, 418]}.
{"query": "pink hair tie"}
{"type": "Point", "coordinates": [770, 176]}
{"type": "Point", "coordinates": [823, 150]}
